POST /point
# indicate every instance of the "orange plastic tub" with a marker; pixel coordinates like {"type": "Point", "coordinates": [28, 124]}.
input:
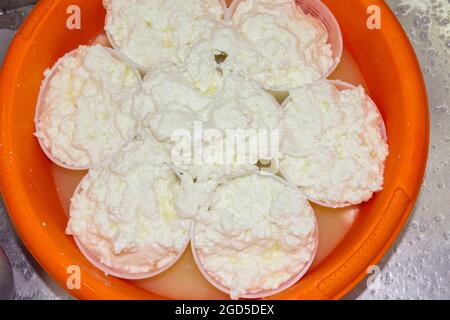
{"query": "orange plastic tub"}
{"type": "Point", "coordinates": [395, 83]}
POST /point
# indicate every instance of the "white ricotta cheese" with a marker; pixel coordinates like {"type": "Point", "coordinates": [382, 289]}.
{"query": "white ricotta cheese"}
{"type": "Point", "coordinates": [149, 32]}
{"type": "Point", "coordinates": [243, 104]}
{"type": "Point", "coordinates": [245, 120]}
{"type": "Point", "coordinates": [254, 235]}
{"type": "Point", "coordinates": [169, 102]}
{"type": "Point", "coordinates": [333, 145]}
{"type": "Point", "coordinates": [84, 112]}
{"type": "Point", "coordinates": [293, 47]}
{"type": "Point", "coordinates": [124, 210]}
{"type": "Point", "coordinates": [248, 116]}
{"type": "Point", "coordinates": [213, 58]}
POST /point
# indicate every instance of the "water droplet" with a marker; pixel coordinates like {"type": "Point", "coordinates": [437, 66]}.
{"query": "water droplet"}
{"type": "Point", "coordinates": [441, 185]}
{"type": "Point", "coordinates": [388, 279]}
{"type": "Point", "coordinates": [442, 108]}
{"type": "Point", "coordinates": [423, 36]}
{"type": "Point", "coordinates": [447, 235]}
{"type": "Point", "coordinates": [426, 20]}
{"type": "Point", "coordinates": [424, 227]}
{"type": "Point", "coordinates": [417, 22]}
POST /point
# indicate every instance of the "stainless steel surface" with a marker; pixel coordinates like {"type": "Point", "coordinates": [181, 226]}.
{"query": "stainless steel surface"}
{"type": "Point", "coordinates": [418, 265]}
{"type": "Point", "coordinates": [12, 4]}
{"type": "Point", "coordinates": [30, 281]}
{"type": "Point", "coordinates": [6, 277]}
{"type": "Point", "coordinates": [11, 17]}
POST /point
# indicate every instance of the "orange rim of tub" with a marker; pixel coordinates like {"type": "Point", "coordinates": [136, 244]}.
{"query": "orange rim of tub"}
{"type": "Point", "coordinates": [394, 81]}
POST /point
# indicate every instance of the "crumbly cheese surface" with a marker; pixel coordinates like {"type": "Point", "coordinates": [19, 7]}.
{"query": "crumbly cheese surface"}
{"type": "Point", "coordinates": [124, 211]}
{"type": "Point", "coordinates": [85, 111]}
{"type": "Point", "coordinates": [333, 146]}
{"type": "Point", "coordinates": [242, 104]}
{"type": "Point", "coordinates": [150, 32]}
{"type": "Point", "coordinates": [249, 119]}
{"type": "Point", "coordinates": [239, 111]}
{"type": "Point", "coordinates": [255, 234]}
{"type": "Point", "coordinates": [225, 51]}
{"type": "Point", "coordinates": [292, 46]}
{"type": "Point", "coordinates": [169, 102]}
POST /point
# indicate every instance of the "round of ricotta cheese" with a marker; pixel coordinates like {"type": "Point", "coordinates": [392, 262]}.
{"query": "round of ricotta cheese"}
{"type": "Point", "coordinates": [183, 118]}
{"type": "Point", "coordinates": [207, 151]}
{"type": "Point", "coordinates": [243, 104]}
{"type": "Point", "coordinates": [242, 128]}
{"type": "Point", "coordinates": [293, 47]}
{"type": "Point", "coordinates": [255, 237]}
{"type": "Point", "coordinates": [123, 212]}
{"type": "Point", "coordinates": [168, 102]}
{"type": "Point", "coordinates": [149, 32]}
{"type": "Point", "coordinates": [334, 148]}
{"type": "Point", "coordinates": [225, 51]}
{"type": "Point", "coordinates": [249, 119]}
{"type": "Point", "coordinates": [84, 114]}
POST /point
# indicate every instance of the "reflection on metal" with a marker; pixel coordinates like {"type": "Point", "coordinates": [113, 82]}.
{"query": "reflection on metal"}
{"type": "Point", "coordinates": [14, 4]}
